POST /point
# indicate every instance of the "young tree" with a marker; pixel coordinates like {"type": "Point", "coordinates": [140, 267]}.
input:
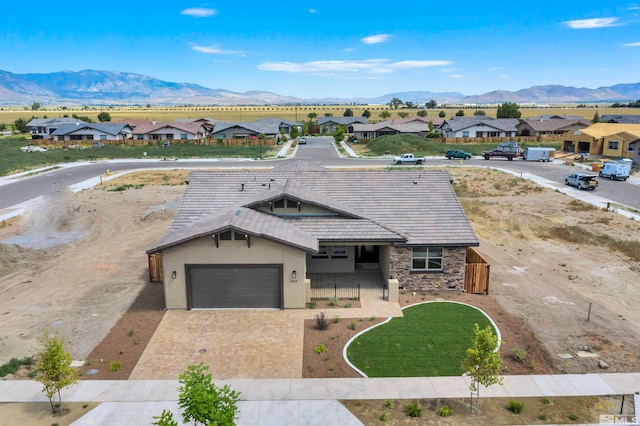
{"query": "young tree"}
{"type": "Point", "coordinates": [201, 401]}
{"type": "Point", "coordinates": [338, 134]}
{"type": "Point", "coordinates": [596, 117]}
{"type": "Point", "coordinates": [460, 113]}
{"type": "Point", "coordinates": [366, 113]}
{"type": "Point", "coordinates": [508, 110]}
{"type": "Point", "coordinates": [328, 114]}
{"type": "Point", "coordinates": [347, 113]}
{"type": "Point", "coordinates": [53, 368]}
{"type": "Point", "coordinates": [104, 116]}
{"type": "Point", "coordinates": [479, 112]}
{"type": "Point", "coordinates": [422, 113]}
{"type": "Point", "coordinates": [20, 125]}
{"type": "Point", "coordinates": [409, 105]}
{"type": "Point", "coordinates": [395, 103]}
{"type": "Point", "coordinates": [295, 132]}
{"type": "Point", "coordinates": [312, 116]}
{"type": "Point", "coordinates": [442, 114]}
{"type": "Point", "coordinates": [35, 106]}
{"type": "Point", "coordinates": [482, 363]}
{"type": "Point", "coordinates": [431, 104]}
{"type": "Point", "coordinates": [403, 114]}
{"type": "Point", "coordinates": [384, 114]}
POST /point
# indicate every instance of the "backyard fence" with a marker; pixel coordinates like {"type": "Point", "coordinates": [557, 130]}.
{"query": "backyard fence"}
{"type": "Point", "coordinates": [338, 291]}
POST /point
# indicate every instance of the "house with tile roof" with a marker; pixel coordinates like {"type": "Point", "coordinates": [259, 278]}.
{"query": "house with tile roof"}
{"type": "Point", "coordinates": [271, 128]}
{"type": "Point", "coordinates": [42, 128]}
{"type": "Point", "coordinates": [178, 131]}
{"type": "Point", "coordinates": [102, 132]}
{"type": "Point", "coordinates": [329, 125]}
{"type": "Point", "coordinates": [375, 130]}
{"type": "Point", "coordinates": [609, 139]}
{"type": "Point", "coordinates": [552, 126]}
{"type": "Point", "coordinates": [247, 239]}
{"type": "Point", "coordinates": [479, 126]}
{"type": "Point", "coordinates": [620, 118]}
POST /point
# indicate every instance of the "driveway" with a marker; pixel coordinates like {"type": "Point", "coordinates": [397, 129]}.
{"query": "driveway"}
{"type": "Point", "coordinates": [260, 344]}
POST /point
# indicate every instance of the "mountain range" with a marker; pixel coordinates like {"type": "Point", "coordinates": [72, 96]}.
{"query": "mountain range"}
{"type": "Point", "coordinates": [91, 87]}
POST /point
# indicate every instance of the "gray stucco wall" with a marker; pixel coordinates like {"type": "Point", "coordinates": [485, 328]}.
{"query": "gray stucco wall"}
{"type": "Point", "coordinates": [450, 278]}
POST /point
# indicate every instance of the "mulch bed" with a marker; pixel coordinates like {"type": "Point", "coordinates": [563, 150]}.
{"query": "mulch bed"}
{"type": "Point", "coordinates": [128, 338]}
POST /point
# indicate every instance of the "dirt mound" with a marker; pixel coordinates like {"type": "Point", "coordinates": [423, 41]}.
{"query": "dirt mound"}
{"type": "Point", "coordinates": [14, 257]}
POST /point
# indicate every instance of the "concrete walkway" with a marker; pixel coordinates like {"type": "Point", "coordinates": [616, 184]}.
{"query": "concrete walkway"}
{"type": "Point", "coordinates": [308, 401]}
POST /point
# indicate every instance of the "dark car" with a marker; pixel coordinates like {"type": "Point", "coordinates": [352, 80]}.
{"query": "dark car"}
{"type": "Point", "coordinates": [456, 153]}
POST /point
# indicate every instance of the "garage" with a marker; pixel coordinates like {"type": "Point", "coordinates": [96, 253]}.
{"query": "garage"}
{"type": "Point", "coordinates": [234, 286]}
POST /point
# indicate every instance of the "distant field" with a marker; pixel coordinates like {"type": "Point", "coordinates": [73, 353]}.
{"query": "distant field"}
{"type": "Point", "coordinates": [250, 113]}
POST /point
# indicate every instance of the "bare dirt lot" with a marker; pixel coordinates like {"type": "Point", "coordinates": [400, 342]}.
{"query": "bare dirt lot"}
{"type": "Point", "coordinates": [550, 257]}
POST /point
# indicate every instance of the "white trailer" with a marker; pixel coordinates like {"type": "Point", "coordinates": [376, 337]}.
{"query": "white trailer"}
{"type": "Point", "coordinates": [541, 154]}
{"type": "Point", "coordinates": [616, 170]}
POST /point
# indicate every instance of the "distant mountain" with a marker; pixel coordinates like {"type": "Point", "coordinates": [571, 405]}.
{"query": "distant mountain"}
{"type": "Point", "coordinates": [122, 88]}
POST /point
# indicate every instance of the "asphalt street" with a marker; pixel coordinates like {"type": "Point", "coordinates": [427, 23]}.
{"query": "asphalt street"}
{"type": "Point", "coordinates": [321, 150]}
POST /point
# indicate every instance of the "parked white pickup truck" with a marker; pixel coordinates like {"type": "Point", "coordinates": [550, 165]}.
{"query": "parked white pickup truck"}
{"type": "Point", "coordinates": [408, 159]}
{"type": "Point", "coordinates": [581, 181]}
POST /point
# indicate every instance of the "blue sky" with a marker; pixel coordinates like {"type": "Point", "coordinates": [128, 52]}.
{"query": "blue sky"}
{"type": "Point", "coordinates": [316, 49]}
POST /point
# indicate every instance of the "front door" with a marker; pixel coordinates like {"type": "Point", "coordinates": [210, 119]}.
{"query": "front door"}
{"type": "Point", "coordinates": [368, 254]}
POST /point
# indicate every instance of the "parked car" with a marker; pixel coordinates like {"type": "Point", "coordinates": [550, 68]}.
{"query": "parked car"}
{"type": "Point", "coordinates": [302, 141]}
{"type": "Point", "coordinates": [166, 144]}
{"type": "Point", "coordinates": [98, 144]}
{"type": "Point", "coordinates": [456, 153]}
{"type": "Point", "coordinates": [32, 148]}
{"type": "Point", "coordinates": [581, 181]}
{"type": "Point", "coordinates": [616, 170]}
{"type": "Point", "coordinates": [408, 159]}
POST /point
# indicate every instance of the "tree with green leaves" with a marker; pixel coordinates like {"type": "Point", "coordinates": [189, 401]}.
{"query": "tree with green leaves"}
{"type": "Point", "coordinates": [442, 114]}
{"type": "Point", "coordinates": [508, 110]}
{"type": "Point", "coordinates": [104, 116]}
{"type": "Point", "coordinates": [395, 103]}
{"type": "Point", "coordinates": [384, 114]}
{"type": "Point", "coordinates": [479, 112]}
{"type": "Point", "coordinates": [596, 117]}
{"type": "Point", "coordinates": [328, 114]}
{"type": "Point", "coordinates": [35, 106]}
{"type": "Point", "coordinates": [53, 368]}
{"type": "Point", "coordinates": [409, 105]}
{"type": "Point", "coordinates": [20, 125]}
{"type": "Point", "coordinates": [338, 134]}
{"type": "Point", "coordinates": [403, 114]}
{"type": "Point", "coordinates": [3, 127]}
{"type": "Point", "coordinates": [460, 113]}
{"type": "Point", "coordinates": [294, 132]}
{"type": "Point", "coordinates": [347, 113]}
{"type": "Point", "coordinates": [482, 362]}
{"type": "Point", "coordinates": [312, 116]}
{"type": "Point", "coordinates": [431, 104]}
{"type": "Point", "coordinates": [201, 401]}
{"type": "Point", "coordinates": [366, 113]}
{"type": "Point", "coordinates": [422, 113]}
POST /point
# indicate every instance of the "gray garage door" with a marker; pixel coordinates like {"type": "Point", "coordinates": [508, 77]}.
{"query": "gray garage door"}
{"type": "Point", "coordinates": [234, 286]}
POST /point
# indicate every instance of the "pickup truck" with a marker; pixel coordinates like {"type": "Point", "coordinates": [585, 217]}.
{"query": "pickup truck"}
{"type": "Point", "coordinates": [508, 150]}
{"type": "Point", "coordinates": [581, 181]}
{"type": "Point", "coordinates": [408, 159]}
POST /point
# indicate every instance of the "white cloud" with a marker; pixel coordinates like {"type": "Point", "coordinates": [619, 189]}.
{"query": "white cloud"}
{"type": "Point", "coordinates": [215, 50]}
{"type": "Point", "coordinates": [634, 44]}
{"type": "Point", "coordinates": [375, 39]}
{"type": "Point", "coordinates": [199, 12]}
{"type": "Point", "coordinates": [581, 24]}
{"type": "Point", "coordinates": [496, 68]}
{"type": "Point", "coordinates": [372, 66]}
{"type": "Point", "coordinates": [313, 11]}
{"type": "Point", "coordinates": [456, 76]}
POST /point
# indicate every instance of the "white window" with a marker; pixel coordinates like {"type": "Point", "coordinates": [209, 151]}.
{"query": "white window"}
{"type": "Point", "coordinates": [339, 251]}
{"type": "Point", "coordinates": [613, 145]}
{"type": "Point", "coordinates": [427, 259]}
{"type": "Point", "coordinates": [322, 252]}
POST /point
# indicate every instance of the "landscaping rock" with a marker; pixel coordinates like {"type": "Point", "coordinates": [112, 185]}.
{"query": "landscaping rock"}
{"type": "Point", "coordinates": [603, 365]}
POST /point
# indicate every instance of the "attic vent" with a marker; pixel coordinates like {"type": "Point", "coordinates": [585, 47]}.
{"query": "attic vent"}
{"type": "Point", "coordinates": [242, 187]}
{"type": "Point", "coordinates": [415, 182]}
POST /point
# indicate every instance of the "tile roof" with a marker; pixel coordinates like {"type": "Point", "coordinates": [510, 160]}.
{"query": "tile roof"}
{"type": "Point", "coordinates": [341, 120]}
{"type": "Point", "coordinates": [621, 118]}
{"type": "Point", "coordinates": [556, 116]}
{"type": "Point", "coordinates": [191, 127]}
{"type": "Point", "coordinates": [553, 124]}
{"type": "Point", "coordinates": [398, 127]}
{"type": "Point", "coordinates": [460, 123]}
{"type": "Point", "coordinates": [48, 122]}
{"type": "Point", "coordinates": [404, 207]}
{"type": "Point", "coordinates": [108, 128]}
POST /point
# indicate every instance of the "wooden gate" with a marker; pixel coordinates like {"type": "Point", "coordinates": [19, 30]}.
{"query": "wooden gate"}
{"type": "Point", "coordinates": [476, 274]}
{"type": "Point", "coordinates": [155, 268]}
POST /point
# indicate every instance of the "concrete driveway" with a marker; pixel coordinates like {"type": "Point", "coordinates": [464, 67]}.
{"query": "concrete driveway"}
{"type": "Point", "coordinates": [259, 344]}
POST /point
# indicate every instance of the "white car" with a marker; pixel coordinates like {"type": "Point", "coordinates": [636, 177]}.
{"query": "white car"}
{"type": "Point", "coordinates": [32, 148]}
{"type": "Point", "coordinates": [302, 141]}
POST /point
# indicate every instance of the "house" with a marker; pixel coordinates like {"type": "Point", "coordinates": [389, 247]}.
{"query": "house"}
{"type": "Point", "coordinates": [437, 121]}
{"type": "Point", "coordinates": [249, 239]}
{"type": "Point", "coordinates": [270, 128]}
{"type": "Point", "coordinates": [330, 124]}
{"type": "Point", "coordinates": [556, 117]}
{"type": "Point", "coordinates": [42, 128]}
{"type": "Point", "coordinates": [479, 126]}
{"type": "Point", "coordinates": [592, 139]}
{"type": "Point", "coordinates": [375, 130]}
{"type": "Point", "coordinates": [552, 126]}
{"type": "Point", "coordinates": [169, 131]}
{"type": "Point", "coordinates": [92, 132]}
{"type": "Point", "coordinates": [620, 118]}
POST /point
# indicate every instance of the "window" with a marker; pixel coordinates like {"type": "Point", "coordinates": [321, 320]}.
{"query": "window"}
{"type": "Point", "coordinates": [183, 136]}
{"type": "Point", "coordinates": [631, 146]}
{"type": "Point", "coordinates": [103, 137]}
{"type": "Point", "coordinates": [292, 204]}
{"type": "Point", "coordinates": [225, 236]}
{"type": "Point", "coordinates": [279, 204]}
{"type": "Point", "coordinates": [322, 252]}
{"type": "Point", "coordinates": [169, 136]}
{"type": "Point", "coordinates": [339, 251]}
{"type": "Point", "coordinates": [613, 145]}
{"type": "Point", "coordinates": [139, 137]}
{"type": "Point", "coordinates": [239, 236]}
{"type": "Point", "coordinates": [427, 259]}
{"type": "Point", "coordinates": [465, 134]}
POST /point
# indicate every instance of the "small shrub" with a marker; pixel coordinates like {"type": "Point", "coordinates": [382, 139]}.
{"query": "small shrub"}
{"type": "Point", "coordinates": [413, 409]}
{"type": "Point", "coordinates": [515, 406]}
{"type": "Point", "coordinates": [312, 304]}
{"type": "Point", "coordinates": [542, 415]}
{"type": "Point", "coordinates": [320, 349]}
{"type": "Point", "coordinates": [573, 416]}
{"type": "Point", "coordinates": [352, 325]}
{"type": "Point", "coordinates": [372, 318]}
{"type": "Point", "coordinates": [13, 365]}
{"type": "Point", "coordinates": [545, 400]}
{"type": "Point", "coordinates": [333, 301]}
{"type": "Point", "coordinates": [358, 403]}
{"type": "Point", "coordinates": [532, 364]}
{"type": "Point", "coordinates": [115, 366]}
{"type": "Point", "coordinates": [445, 411]}
{"type": "Point", "coordinates": [384, 416]}
{"type": "Point", "coordinates": [85, 405]}
{"type": "Point", "coordinates": [136, 341]}
{"type": "Point", "coordinates": [520, 354]}
{"type": "Point", "coordinates": [336, 319]}
{"type": "Point", "coordinates": [321, 321]}
{"type": "Point", "coordinates": [388, 403]}
{"type": "Point", "coordinates": [348, 305]}
{"type": "Point", "coordinates": [130, 333]}
{"type": "Point", "coordinates": [32, 374]}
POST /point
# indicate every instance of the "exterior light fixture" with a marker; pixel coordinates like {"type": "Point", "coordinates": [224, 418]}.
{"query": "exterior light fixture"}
{"type": "Point", "coordinates": [174, 274]}
{"type": "Point", "coordinates": [293, 274]}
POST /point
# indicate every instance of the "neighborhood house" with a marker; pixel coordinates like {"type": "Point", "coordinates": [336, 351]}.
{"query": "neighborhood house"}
{"type": "Point", "coordinates": [479, 127]}
{"type": "Point", "coordinates": [246, 239]}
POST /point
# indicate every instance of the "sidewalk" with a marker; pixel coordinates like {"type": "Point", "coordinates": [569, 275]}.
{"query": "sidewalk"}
{"type": "Point", "coordinates": [309, 401]}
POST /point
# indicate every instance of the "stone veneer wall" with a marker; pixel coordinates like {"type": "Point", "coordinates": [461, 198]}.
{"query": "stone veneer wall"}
{"type": "Point", "coordinates": [450, 278]}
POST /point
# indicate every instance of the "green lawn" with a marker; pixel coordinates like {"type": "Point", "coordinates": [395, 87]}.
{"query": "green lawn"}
{"type": "Point", "coordinates": [430, 340]}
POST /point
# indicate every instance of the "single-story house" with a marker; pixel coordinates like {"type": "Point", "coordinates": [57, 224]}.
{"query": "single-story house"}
{"type": "Point", "coordinates": [375, 130]}
{"type": "Point", "coordinates": [479, 126]}
{"type": "Point", "coordinates": [329, 124]}
{"type": "Point", "coordinates": [249, 239]}
{"type": "Point", "coordinates": [553, 126]}
{"type": "Point", "coordinates": [591, 140]}
{"type": "Point", "coordinates": [92, 132]}
{"type": "Point", "coordinates": [437, 121]}
{"type": "Point", "coordinates": [271, 128]}
{"type": "Point", "coordinates": [42, 128]}
{"type": "Point", "coordinates": [169, 131]}
{"type": "Point", "coordinates": [620, 118]}
{"type": "Point", "coordinates": [556, 117]}
{"type": "Point", "coordinates": [621, 144]}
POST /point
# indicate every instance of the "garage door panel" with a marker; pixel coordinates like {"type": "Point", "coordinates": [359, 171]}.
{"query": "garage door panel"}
{"type": "Point", "coordinates": [235, 286]}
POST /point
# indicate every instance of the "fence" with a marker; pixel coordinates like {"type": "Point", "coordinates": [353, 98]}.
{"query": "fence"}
{"type": "Point", "coordinates": [155, 268]}
{"type": "Point", "coordinates": [476, 274]}
{"type": "Point", "coordinates": [338, 291]}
